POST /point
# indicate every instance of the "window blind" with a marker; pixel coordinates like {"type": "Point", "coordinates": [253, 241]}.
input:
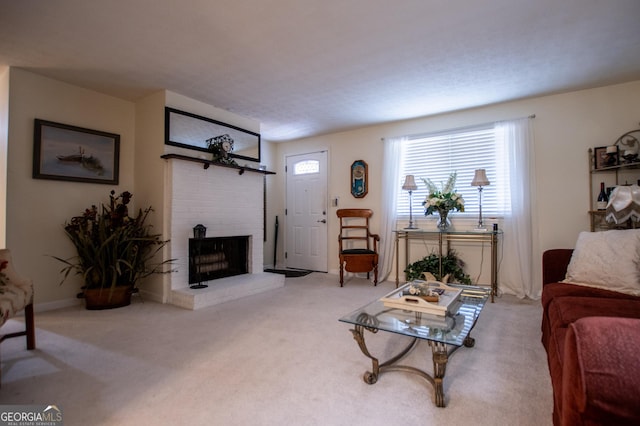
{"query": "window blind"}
{"type": "Point", "coordinates": [435, 156]}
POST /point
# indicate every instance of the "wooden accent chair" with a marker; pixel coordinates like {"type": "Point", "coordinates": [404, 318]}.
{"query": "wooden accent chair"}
{"type": "Point", "coordinates": [358, 247]}
{"type": "Point", "coordinates": [16, 294]}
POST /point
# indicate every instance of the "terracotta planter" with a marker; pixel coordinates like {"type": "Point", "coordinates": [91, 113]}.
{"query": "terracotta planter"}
{"type": "Point", "coordinates": [106, 298]}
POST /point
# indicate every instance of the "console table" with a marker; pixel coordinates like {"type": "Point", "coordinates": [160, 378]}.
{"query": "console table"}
{"type": "Point", "coordinates": [446, 237]}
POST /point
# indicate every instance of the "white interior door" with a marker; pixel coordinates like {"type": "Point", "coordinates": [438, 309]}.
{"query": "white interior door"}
{"type": "Point", "coordinates": [306, 212]}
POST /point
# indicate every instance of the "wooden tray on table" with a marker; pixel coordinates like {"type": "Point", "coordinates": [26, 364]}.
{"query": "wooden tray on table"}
{"type": "Point", "coordinates": [402, 298]}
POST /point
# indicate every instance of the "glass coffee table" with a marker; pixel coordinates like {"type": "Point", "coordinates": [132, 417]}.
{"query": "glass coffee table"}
{"type": "Point", "coordinates": [444, 334]}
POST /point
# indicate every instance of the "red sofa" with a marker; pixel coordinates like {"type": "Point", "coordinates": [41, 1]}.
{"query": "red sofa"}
{"type": "Point", "coordinates": [592, 339]}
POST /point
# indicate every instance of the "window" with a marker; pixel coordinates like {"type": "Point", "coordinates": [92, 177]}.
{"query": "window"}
{"type": "Point", "coordinates": [435, 156]}
{"type": "Point", "coordinates": [306, 167]}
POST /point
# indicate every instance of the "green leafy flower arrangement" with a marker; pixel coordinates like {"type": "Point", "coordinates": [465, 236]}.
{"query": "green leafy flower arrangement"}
{"type": "Point", "coordinates": [443, 200]}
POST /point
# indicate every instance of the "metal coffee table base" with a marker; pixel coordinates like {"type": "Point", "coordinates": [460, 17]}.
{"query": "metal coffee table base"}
{"type": "Point", "coordinates": [440, 351]}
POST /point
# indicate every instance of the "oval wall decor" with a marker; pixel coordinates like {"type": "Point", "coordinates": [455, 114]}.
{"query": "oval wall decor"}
{"type": "Point", "coordinates": [359, 179]}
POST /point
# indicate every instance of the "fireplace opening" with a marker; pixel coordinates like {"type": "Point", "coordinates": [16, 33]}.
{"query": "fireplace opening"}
{"type": "Point", "coordinates": [219, 257]}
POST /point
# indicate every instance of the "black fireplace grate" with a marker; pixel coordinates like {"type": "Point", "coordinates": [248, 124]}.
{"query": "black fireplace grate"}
{"type": "Point", "coordinates": [217, 257]}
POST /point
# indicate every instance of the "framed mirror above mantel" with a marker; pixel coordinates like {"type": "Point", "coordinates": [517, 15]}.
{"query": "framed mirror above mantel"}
{"type": "Point", "coordinates": [187, 130]}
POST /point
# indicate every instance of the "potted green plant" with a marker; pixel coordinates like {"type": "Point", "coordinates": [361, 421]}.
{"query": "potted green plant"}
{"type": "Point", "coordinates": [114, 251]}
{"type": "Point", "coordinates": [452, 266]}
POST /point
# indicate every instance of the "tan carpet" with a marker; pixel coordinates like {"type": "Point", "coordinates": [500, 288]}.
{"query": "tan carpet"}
{"type": "Point", "coordinates": [278, 358]}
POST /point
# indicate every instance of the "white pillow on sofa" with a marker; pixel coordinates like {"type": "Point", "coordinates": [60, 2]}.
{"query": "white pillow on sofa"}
{"type": "Point", "coordinates": [609, 260]}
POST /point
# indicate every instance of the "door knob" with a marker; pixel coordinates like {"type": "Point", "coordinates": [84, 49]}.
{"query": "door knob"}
{"type": "Point", "coordinates": [323, 221]}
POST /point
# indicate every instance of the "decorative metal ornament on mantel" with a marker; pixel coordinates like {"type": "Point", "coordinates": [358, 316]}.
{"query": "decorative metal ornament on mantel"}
{"type": "Point", "coordinates": [221, 146]}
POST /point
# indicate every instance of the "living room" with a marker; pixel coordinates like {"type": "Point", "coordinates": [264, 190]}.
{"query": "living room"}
{"type": "Point", "coordinates": [567, 123]}
{"type": "Point", "coordinates": [566, 126]}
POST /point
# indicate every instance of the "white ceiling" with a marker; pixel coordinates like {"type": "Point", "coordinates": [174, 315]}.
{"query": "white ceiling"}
{"type": "Point", "coordinates": [307, 67]}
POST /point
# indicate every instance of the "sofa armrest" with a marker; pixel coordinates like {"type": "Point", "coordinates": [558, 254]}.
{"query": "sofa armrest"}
{"type": "Point", "coordinates": [554, 265]}
{"type": "Point", "coordinates": [601, 373]}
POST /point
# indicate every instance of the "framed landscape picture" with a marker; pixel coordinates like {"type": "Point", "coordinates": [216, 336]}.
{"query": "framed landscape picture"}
{"type": "Point", "coordinates": [64, 152]}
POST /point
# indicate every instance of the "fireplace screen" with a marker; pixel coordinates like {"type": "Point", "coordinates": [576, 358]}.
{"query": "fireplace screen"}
{"type": "Point", "coordinates": [213, 258]}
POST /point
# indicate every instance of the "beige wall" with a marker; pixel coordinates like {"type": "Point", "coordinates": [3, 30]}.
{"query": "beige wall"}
{"type": "Point", "coordinates": [565, 127]}
{"type": "Point", "coordinates": [36, 208]}
{"type": "Point", "coordinates": [149, 177]}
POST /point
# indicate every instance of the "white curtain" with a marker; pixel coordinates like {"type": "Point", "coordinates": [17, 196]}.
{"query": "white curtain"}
{"type": "Point", "coordinates": [388, 212]}
{"type": "Point", "coordinates": [516, 260]}
{"type": "Point", "coordinates": [516, 257]}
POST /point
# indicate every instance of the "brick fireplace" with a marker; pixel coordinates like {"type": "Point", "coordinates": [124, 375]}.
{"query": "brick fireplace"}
{"type": "Point", "coordinates": [228, 203]}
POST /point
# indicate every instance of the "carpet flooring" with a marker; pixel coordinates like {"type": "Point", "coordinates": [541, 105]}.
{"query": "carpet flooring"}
{"type": "Point", "coordinates": [276, 358]}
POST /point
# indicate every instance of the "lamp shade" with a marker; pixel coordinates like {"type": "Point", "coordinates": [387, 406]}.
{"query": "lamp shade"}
{"type": "Point", "coordinates": [409, 183]}
{"type": "Point", "coordinates": [624, 204]}
{"type": "Point", "coordinates": [480, 178]}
